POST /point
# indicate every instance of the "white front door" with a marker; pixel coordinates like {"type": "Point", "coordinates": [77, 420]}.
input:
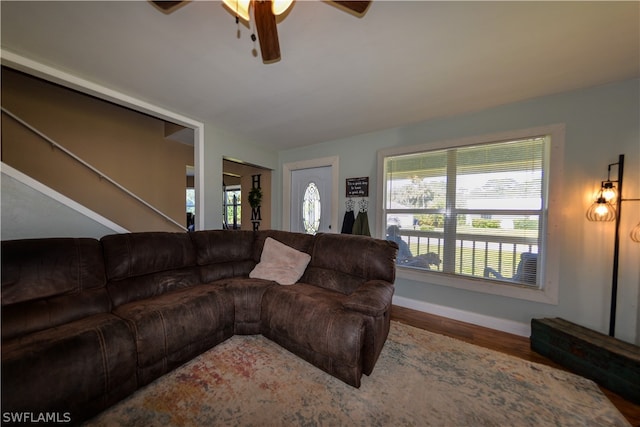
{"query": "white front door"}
{"type": "Point", "coordinates": [311, 203]}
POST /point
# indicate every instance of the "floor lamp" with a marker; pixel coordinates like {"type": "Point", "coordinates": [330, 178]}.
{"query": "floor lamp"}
{"type": "Point", "coordinates": [604, 210]}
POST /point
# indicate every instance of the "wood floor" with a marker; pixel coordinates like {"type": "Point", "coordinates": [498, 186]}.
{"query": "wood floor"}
{"type": "Point", "coordinates": [499, 341]}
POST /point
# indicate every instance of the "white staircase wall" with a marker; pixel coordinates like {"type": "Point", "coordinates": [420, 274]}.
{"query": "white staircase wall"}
{"type": "Point", "coordinates": [29, 209]}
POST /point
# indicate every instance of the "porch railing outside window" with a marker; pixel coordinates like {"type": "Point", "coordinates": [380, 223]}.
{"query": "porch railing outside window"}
{"type": "Point", "coordinates": [484, 256]}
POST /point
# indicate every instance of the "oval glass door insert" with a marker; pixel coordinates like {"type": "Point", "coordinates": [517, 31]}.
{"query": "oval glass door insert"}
{"type": "Point", "coordinates": [311, 209]}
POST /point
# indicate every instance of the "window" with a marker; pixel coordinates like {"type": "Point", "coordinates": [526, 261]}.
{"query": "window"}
{"type": "Point", "coordinates": [231, 209]}
{"type": "Point", "coordinates": [191, 209]}
{"type": "Point", "coordinates": [472, 213]}
{"type": "Point", "coordinates": [311, 209]}
{"type": "Point", "coordinates": [191, 200]}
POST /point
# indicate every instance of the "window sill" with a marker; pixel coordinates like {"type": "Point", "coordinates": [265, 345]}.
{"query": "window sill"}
{"type": "Point", "coordinates": [548, 294]}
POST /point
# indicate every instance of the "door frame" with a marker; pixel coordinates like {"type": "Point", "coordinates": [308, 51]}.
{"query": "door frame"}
{"type": "Point", "coordinates": [287, 168]}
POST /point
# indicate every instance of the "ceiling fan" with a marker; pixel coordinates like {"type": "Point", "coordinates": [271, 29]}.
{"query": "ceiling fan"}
{"type": "Point", "coordinates": [265, 12]}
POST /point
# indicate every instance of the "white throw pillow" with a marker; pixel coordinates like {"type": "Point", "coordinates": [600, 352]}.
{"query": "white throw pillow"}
{"type": "Point", "coordinates": [280, 263]}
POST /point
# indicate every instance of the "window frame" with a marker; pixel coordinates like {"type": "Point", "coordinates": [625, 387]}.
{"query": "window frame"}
{"type": "Point", "coordinates": [549, 248]}
{"type": "Point", "coordinates": [229, 189]}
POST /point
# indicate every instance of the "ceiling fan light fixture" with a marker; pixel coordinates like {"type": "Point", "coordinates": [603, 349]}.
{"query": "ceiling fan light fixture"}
{"type": "Point", "coordinates": [239, 7]}
{"type": "Point", "coordinates": [280, 6]}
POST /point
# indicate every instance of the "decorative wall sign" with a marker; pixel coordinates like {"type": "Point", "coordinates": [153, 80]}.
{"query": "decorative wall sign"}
{"type": "Point", "coordinates": [255, 198]}
{"type": "Point", "coordinates": [358, 187]}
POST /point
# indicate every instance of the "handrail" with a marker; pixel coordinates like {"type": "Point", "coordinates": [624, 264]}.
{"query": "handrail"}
{"type": "Point", "coordinates": [92, 168]}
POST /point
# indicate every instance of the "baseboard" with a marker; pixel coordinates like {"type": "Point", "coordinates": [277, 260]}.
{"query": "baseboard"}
{"type": "Point", "coordinates": [504, 325]}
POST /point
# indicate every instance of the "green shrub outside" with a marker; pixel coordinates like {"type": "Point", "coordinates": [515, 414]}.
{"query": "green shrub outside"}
{"type": "Point", "coordinates": [525, 224]}
{"type": "Point", "coordinates": [485, 223]}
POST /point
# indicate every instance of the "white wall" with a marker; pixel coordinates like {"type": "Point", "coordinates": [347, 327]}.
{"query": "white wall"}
{"type": "Point", "coordinates": [601, 123]}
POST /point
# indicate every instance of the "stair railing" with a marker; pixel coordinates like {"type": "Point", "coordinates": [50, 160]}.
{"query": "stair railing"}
{"type": "Point", "coordinates": [100, 174]}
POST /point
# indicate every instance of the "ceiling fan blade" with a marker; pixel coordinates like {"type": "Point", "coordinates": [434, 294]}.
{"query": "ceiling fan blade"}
{"type": "Point", "coordinates": [267, 31]}
{"type": "Point", "coordinates": [358, 7]}
{"type": "Point", "coordinates": [167, 6]}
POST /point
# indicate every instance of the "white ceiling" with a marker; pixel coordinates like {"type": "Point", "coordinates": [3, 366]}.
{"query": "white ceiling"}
{"type": "Point", "coordinates": [340, 75]}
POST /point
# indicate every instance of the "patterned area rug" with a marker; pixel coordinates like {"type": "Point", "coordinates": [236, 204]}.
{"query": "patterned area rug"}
{"type": "Point", "coordinates": [421, 379]}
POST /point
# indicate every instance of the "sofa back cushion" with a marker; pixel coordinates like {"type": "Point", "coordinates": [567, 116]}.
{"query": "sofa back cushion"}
{"type": "Point", "coordinates": [342, 262]}
{"type": "Point", "coordinates": [222, 254]}
{"type": "Point", "coordinates": [48, 282]}
{"type": "Point", "coordinates": [143, 265]}
{"type": "Point", "coordinates": [135, 254]}
{"type": "Point", "coordinates": [299, 241]}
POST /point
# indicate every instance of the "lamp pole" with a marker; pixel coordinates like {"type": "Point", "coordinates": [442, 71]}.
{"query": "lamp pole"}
{"type": "Point", "coordinates": [616, 252]}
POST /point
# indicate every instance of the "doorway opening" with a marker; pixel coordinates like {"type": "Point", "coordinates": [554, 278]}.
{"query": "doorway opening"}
{"type": "Point", "coordinates": [241, 181]}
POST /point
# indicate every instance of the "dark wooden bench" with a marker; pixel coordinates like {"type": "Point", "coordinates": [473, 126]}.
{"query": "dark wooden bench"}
{"type": "Point", "coordinates": [612, 363]}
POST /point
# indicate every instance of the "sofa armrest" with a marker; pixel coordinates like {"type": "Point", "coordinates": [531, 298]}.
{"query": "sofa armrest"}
{"type": "Point", "coordinates": [372, 298]}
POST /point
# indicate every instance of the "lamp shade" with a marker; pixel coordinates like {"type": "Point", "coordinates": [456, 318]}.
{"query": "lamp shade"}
{"type": "Point", "coordinates": [601, 210]}
{"type": "Point", "coordinates": [238, 7]}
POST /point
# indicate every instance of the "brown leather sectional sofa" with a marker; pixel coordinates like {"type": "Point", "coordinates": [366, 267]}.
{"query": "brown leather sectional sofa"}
{"type": "Point", "coordinates": [86, 322]}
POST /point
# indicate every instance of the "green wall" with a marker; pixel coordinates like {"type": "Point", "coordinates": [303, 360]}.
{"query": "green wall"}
{"type": "Point", "coordinates": [601, 122]}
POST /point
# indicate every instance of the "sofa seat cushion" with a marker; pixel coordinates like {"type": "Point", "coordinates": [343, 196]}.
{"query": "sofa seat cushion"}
{"type": "Point", "coordinates": [315, 328]}
{"type": "Point", "coordinates": [332, 298]}
{"type": "Point", "coordinates": [247, 298]}
{"type": "Point", "coordinates": [172, 328]}
{"type": "Point", "coordinates": [151, 285]}
{"type": "Point", "coordinates": [225, 270]}
{"type": "Point", "coordinates": [78, 368]}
